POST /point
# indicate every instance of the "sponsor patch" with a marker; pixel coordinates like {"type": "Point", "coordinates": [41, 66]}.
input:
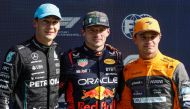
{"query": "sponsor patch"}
{"type": "Point", "coordinates": [98, 93]}
{"type": "Point", "coordinates": [82, 62]}
{"type": "Point", "coordinates": [10, 56]}
{"type": "Point", "coordinates": [83, 71]}
{"type": "Point", "coordinates": [55, 56]}
{"type": "Point", "coordinates": [34, 56]}
{"type": "Point", "coordinates": [185, 90]}
{"type": "Point", "coordinates": [186, 105]}
{"type": "Point", "coordinates": [109, 61]}
{"type": "Point", "coordinates": [110, 69]}
{"type": "Point", "coordinates": [104, 80]}
{"type": "Point", "coordinates": [186, 97]}
{"type": "Point", "coordinates": [149, 100]}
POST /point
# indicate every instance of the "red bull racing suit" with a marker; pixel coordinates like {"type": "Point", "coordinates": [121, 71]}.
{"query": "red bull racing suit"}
{"type": "Point", "coordinates": [91, 78]}
{"type": "Point", "coordinates": [159, 83]}
{"type": "Point", "coordinates": [29, 77]}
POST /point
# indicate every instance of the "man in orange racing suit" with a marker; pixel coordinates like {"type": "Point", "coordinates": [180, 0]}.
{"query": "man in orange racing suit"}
{"type": "Point", "coordinates": [153, 81]}
{"type": "Point", "coordinates": [90, 73]}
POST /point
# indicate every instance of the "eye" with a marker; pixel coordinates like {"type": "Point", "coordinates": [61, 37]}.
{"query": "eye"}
{"type": "Point", "coordinates": [91, 30]}
{"type": "Point", "coordinates": [45, 22]}
{"type": "Point", "coordinates": [55, 22]}
{"type": "Point", "coordinates": [153, 36]}
{"type": "Point", "coordinates": [102, 29]}
{"type": "Point", "coordinates": [142, 36]}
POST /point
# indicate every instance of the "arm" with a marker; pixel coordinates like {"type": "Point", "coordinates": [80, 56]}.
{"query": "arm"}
{"type": "Point", "coordinates": [182, 82]}
{"type": "Point", "coordinates": [8, 77]}
{"type": "Point", "coordinates": [120, 76]}
{"type": "Point", "coordinates": [65, 66]}
{"type": "Point", "coordinates": [64, 78]}
{"type": "Point", "coordinates": [126, 98]}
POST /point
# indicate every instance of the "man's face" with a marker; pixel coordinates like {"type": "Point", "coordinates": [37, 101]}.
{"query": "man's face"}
{"type": "Point", "coordinates": [147, 44]}
{"type": "Point", "coordinates": [95, 36]}
{"type": "Point", "coordinates": [47, 29]}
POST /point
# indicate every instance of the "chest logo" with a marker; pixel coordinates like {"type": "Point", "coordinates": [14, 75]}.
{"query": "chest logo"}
{"type": "Point", "coordinates": [34, 56]}
{"type": "Point", "coordinates": [10, 56]}
{"type": "Point", "coordinates": [82, 62]}
{"type": "Point", "coordinates": [109, 61]}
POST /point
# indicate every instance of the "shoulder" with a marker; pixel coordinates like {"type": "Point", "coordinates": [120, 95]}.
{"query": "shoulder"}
{"type": "Point", "coordinates": [71, 51]}
{"type": "Point", "coordinates": [132, 64]}
{"type": "Point", "coordinates": [18, 47]}
{"type": "Point", "coordinates": [113, 50]}
{"type": "Point", "coordinates": [14, 52]}
{"type": "Point", "coordinates": [69, 54]}
{"type": "Point", "coordinates": [170, 60]}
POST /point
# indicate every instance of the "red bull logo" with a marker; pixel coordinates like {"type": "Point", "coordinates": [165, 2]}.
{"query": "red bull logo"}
{"type": "Point", "coordinates": [103, 105]}
{"type": "Point", "coordinates": [99, 93]}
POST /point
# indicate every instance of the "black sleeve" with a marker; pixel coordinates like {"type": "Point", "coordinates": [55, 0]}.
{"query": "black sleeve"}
{"type": "Point", "coordinates": [182, 82]}
{"type": "Point", "coordinates": [120, 76]}
{"type": "Point", "coordinates": [8, 76]}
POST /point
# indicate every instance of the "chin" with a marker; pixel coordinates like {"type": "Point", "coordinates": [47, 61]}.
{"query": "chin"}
{"type": "Point", "coordinates": [50, 37]}
{"type": "Point", "coordinates": [98, 44]}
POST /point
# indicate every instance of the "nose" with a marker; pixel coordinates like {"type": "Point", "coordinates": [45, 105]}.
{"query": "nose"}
{"type": "Point", "coordinates": [51, 25]}
{"type": "Point", "coordinates": [148, 39]}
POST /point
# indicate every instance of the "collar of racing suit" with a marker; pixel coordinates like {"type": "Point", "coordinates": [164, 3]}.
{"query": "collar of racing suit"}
{"type": "Point", "coordinates": [91, 52]}
{"type": "Point", "coordinates": [42, 46]}
{"type": "Point", "coordinates": [151, 61]}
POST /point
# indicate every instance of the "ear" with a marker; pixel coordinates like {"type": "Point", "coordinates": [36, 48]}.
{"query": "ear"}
{"type": "Point", "coordinates": [83, 32]}
{"type": "Point", "coordinates": [160, 35]}
{"type": "Point", "coordinates": [108, 30]}
{"type": "Point", "coordinates": [134, 38]}
{"type": "Point", "coordinates": [34, 23]}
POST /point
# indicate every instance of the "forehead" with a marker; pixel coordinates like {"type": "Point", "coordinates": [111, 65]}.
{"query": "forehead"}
{"type": "Point", "coordinates": [148, 33]}
{"type": "Point", "coordinates": [96, 27]}
{"type": "Point", "coordinates": [51, 17]}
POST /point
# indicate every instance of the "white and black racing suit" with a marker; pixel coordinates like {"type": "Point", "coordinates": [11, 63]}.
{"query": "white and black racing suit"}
{"type": "Point", "coordinates": [29, 77]}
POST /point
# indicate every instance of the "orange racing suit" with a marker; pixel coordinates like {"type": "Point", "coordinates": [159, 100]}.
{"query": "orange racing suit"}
{"type": "Point", "coordinates": [159, 83]}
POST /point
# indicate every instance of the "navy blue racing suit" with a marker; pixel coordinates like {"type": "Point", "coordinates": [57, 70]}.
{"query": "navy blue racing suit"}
{"type": "Point", "coordinates": [91, 79]}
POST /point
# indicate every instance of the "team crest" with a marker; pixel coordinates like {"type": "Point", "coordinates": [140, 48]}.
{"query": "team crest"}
{"type": "Point", "coordinates": [82, 62]}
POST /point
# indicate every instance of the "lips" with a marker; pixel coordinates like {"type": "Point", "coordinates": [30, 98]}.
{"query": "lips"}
{"type": "Point", "coordinates": [148, 46]}
{"type": "Point", "coordinates": [49, 33]}
{"type": "Point", "coordinates": [97, 39]}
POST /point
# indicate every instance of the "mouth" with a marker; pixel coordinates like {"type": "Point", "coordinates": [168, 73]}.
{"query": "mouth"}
{"type": "Point", "coordinates": [148, 46]}
{"type": "Point", "coordinates": [49, 33]}
{"type": "Point", "coordinates": [97, 39]}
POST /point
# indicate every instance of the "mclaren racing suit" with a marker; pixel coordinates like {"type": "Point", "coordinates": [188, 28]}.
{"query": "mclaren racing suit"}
{"type": "Point", "coordinates": [91, 78]}
{"type": "Point", "coordinates": [29, 77]}
{"type": "Point", "coordinates": [159, 83]}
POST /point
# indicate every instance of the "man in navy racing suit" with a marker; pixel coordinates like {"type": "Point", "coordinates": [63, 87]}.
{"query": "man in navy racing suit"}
{"type": "Point", "coordinates": [90, 73]}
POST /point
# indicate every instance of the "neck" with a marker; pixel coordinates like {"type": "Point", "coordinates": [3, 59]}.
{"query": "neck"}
{"type": "Point", "coordinates": [44, 41]}
{"type": "Point", "coordinates": [149, 56]}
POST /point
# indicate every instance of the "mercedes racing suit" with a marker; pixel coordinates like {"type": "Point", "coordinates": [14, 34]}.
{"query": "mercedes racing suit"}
{"type": "Point", "coordinates": [91, 78]}
{"type": "Point", "coordinates": [159, 83]}
{"type": "Point", "coordinates": [29, 77]}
